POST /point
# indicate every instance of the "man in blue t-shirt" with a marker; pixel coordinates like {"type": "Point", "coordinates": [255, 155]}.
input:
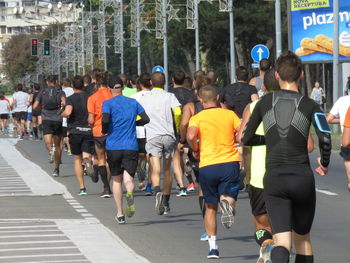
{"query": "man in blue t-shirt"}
{"type": "Point", "coordinates": [120, 115]}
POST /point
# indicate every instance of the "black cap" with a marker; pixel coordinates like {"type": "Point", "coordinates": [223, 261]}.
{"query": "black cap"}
{"type": "Point", "coordinates": [115, 82]}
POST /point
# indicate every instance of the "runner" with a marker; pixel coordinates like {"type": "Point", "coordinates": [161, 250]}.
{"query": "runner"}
{"type": "Point", "coordinates": [68, 91]}
{"type": "Point", "coordinates": [119, 122]}
{"type": "Point", "coordinates": [264, 66]}
{"type": "Point", "coordinates": [289, 185]}
{"type": "Point", "coordinates": [80, 132]}
{"type": "Point", "coordinates": [145, 86]}
{"type": "Point", "coordinates": [4, 113]}
{"type": "Point", "coordinates": [90, 87]}
{"type": "Point", "coordinates": [219, 161]}
{"type": "Point", "coordinates": [95, 120]}
{"type": "Point", "coordinates": [161, 106]}
{"type": "Point", "coordinates": [345, 149]}
{"type": "Point", "coordinates": [36, 114]}
{"type": "Point", "coordinates": [131, 89]}
{"type": "Point", "coordinates": [52, 99]}
{"type": "Point", "coordinates": [20, 108]}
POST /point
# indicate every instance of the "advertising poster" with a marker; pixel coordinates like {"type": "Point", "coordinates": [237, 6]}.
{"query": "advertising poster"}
{"type": "Point", "coordinates": [311, 24]}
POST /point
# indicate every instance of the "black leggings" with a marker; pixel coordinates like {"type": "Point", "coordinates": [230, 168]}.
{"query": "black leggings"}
{"type": "Point", "coordinates": [290, 198]}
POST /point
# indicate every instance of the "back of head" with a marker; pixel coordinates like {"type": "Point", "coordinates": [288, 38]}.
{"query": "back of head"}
{"type": "Point", "coordinates": [133, 79]}
{"type": "Point", "coordinates": [116, 84]}
{"type": "Point", "coordinates": [188, 82]}
{"type": "Point", "coordinates": [158, 79]}
{"type": "Point", "coordinates": [197, 74]}
{"type": "Point", "coordinates": [102, 79]}
{"type": "Point", "coordinates": [179, 77]}
{"type": "Point", "coordinates": [242, 73]}
{"type": "Point", "coordinates": [51, 80]}
{"type": "Point", "coordinates": [289, 67]}
{"type": "Point", "coordinates": [87, 80]}
{"type": "Point", "coordinates": [94, 73]}
{"type": "Point", "coordinates": [201, 81]}
{"type": "Point", "coordinates": [19, 87]}
{"type": "Point", "coordinates": [213, 76]}
{"type": "Point", "coordinates": [145, 80]}
{"type": "Point", "coordinates": [66, 82]}
{"type": "Point", "coordinates": [2, 96]}
{"type": "Point", "coordinates": [208, 93]}
{"type": "Point", "coordinates": [36, 87]}
{"type": "Point", "coordinates": [123, 78]}
{"type": "Point", "coordinates": [270, 81]}
{"type": "Point", "coordinates": [78, 82]}
{"type": "Point", "coordinates": [264, 64]}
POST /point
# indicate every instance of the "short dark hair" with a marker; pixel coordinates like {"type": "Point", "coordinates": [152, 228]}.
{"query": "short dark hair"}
{"type": "Point", "coordinates": [67, 82]}
{"type": "Point", "coordinates": [94, 73]}
{"type": "Point", "coordinates": [242, 73]}
{"type": "Point", "coordinates": [198, 73]}
{"type": "Point", "coordinates": [188, 82]}
{"type": "Point", "coordinates": [115, 80]}
{"type": "Point", "coordinates": [133, 79]}
{"type": "Point", "coordinates": [102, 79]}
{"type": "Point", "coordinates": [145, 80]}
{"type": "Point", "coordinates": [37, 87]}
{"type": "Point", "coordinates": [270, 82]}
{"type": "Point", "coordinates": [179, 77]}
{"type": "Point", "coordinates": [264, 64]}
{"type": "Point", "coordinates": [78, 82]}
{"type": "Point", "coordinates": [123, 78]}
{"type": "Point", "coordinates": [87, 79]}
{"type": "Point", "coordinates": [19, 87]}
{"type": "Point", "coordinates": [158, 79]}
{"type": "Point", "coordinates": [201, 81]}
{"type": "Point", "coordinates": [289, 66]}
{"type": "Point", "coordinates": [51, 79]}
{"type": "Point", "coordinates": [213, 76]}
{"type": "Point", "coordinates": [208, 93]}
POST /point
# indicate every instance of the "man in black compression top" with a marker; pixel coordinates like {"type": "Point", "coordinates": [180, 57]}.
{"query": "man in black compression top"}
{"type": "Point", "coordinates": [289, 183]}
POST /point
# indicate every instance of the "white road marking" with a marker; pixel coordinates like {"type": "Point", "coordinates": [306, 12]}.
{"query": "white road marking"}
{"type": "Point", "coordinates": [325, 192]}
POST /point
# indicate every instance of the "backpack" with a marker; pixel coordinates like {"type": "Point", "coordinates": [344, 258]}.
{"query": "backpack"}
{"type": "Point", "coordinates": [51, 98]}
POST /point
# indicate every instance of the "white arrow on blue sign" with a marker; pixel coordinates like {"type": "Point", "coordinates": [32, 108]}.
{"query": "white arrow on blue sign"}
{"type": "Point", "coordinates": [260, 52]}
{"type": "Point", "coordinates": [158, 69]}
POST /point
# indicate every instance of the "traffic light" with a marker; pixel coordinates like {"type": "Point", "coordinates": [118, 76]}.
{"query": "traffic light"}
{"type": "Point", "coordinates": [34, 47]}
{"type": "Point", "coordinates": [47, 47]}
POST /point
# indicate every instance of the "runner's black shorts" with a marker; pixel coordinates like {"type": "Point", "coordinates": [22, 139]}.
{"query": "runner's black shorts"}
{"type": "Point", "coordinates": [36, 113]}
{"type": "Point", "coordinates": [257, 201]}
{"type": "Point", "coordinates": [21, 115]}
{"type": "Point", "coordinates": [219, 179]}
{"type": "Point", "coordinates": [81, 143]}
{"type": "Point", "coordinates": [64, 131]}
{"type": "Point", "coordinates": [142, 145]}
{"type": "Point", "coordinates": [122, 160]}
{"type": "Point", "coordinates": [290, 198]}
{"type": "Point", "coordinates": [100, 142]}
{"type": "Point", "coordinates": [4, 116]}
{"type": "Point", "coordinates": [52, 127]}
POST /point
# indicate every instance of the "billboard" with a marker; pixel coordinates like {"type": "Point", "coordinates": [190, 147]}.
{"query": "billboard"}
{"type": "Point", "coordinates": [311, 29]}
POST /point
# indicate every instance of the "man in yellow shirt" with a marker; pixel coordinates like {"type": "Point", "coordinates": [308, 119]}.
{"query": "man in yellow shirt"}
{"type": "Point", "coordinates": [211, 135]}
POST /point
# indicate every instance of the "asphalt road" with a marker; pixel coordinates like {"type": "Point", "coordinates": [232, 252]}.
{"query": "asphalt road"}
{"type": "Point", "coordinates": [175, 237]}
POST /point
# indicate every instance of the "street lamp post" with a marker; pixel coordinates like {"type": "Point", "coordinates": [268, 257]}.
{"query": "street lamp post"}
{"type": "Point", "coordinates": [165, 41]}
{"type": "Point", "coordinates": [232, 44]}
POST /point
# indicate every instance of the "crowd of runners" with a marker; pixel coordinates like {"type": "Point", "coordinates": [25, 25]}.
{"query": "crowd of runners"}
{"type": "Point", "coordinates": [119, 128]}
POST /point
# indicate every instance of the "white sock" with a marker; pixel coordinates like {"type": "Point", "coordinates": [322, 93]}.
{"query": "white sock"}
{"type": "Point", "coordinates": [212, 242]}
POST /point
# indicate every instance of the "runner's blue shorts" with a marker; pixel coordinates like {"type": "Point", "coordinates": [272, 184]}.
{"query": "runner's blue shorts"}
{"type": "Point", "coordinates": [219, 179]}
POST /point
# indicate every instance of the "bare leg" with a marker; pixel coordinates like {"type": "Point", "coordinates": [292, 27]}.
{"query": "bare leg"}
{"type": "Point", "coordinates": [210, 219]}
{"type": "Point", "coordinates": [79, 170]}
{"type": "Point", "coordinates": [167, 177]}
{"type": "Point", "coordinates": [118, 193]}
{"type": "Point", "coordinates": [178, 169]}
{"type": "Point", "coordinates": [48, 141]}
{"type": "Point", "coordinates": [58, 152]}
{"type": "Point", "coordinates": [347, 169]}
{"type": "Point", "coordinates": [128, 182]}
{"type": "Point", "coordinates": [155, 175]}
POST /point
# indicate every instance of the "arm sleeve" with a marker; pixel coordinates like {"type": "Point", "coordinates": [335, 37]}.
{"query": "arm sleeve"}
{"type": "Point", "coordinates": [38, 98]}
{"type": "Point", "coordinates": [106, 117]}
{"type": "Point", "coordinates": [249, 137]}
{"type": "Point", "coordinates": [144, 119]}
{"type": "Point", "coordinates": [324, 139]}
{"type": "Point", "coordinates": [177, 116]}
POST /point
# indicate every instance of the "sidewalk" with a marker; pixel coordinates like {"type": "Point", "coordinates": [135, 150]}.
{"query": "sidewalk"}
{"type": "Point", "coordinates": [41, 221]}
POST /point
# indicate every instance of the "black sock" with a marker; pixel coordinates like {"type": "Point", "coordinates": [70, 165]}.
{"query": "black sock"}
{"type": "Point", "coordinates": [103, 173]}
{"type": "Point", "coordinates": [166, 200]}
{"type": "Point", "coordinates": [157, 189]}
{"type": "Point", "coordinates": [95, 166]}
{"type": "Point", "coordinates": [304, 259]}
{"type": "Point", "coordinates": [261, 235]}
{"type": "Point", "coordinates": [189, 178]}
{"type": "Point", "coordinates": [35, 130]}
{"type": "Point", "coordinates": [202, 205]}
{"type": "Point", "coordinates": [40, 127]}
{"type": "Point", "coordinates": [280, 254]}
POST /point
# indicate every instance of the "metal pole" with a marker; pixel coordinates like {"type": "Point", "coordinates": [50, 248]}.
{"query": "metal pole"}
{"type": "Point", "coordinates": [92, 40]}
{"type": "Point", "coordinates": [83, 41]}
{"type": "Point", "coordinates": [196, 26]}
{"type": "Point", "coordinates": [232, 44]}
{"type": "Point", "coordinates": [138, 37]}
{"type": "Point", "coordinates": [52, 51]}
{"type": "Point", "coordinates": [122, 39]}
{"type": "Point", "coordinates": [336, 50]}
{"type": "Point", "coordinates": [165, 43]}
{"type": "Point", "coordinates": [59, 51]}
{"type": "Point", "coordinates": [278, 28]}
{"type": "Point", "coordinates": [105, 38]}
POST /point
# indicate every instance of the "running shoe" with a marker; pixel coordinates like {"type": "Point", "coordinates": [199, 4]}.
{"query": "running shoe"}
{"type": "Point", "coordinates": [159, 203]}
{"type": "Point", "coordinates": [95, 177]}
{"type": "Point", "coordinates": [213, 254]}
{"type": "Point", "coordinates": [69, 152]}
{"type": "Point", "coordinates": [264, 253]}
{"type": "Point", "coordinates": [88, 167]}
{"type": "Point", "coordinates": [56, 172]}
{"type": "Point", "coordinates": [82, 191]}
{"type": "Point", "coordinates": [130, 206]}
{"type": "Point", "coordinates": [107, 193]}
{"type": "Point", "coordinates": [166, 210]}
{"type": "Point", "coordinates": [141, 186]}
{"type": "Point", "coordinates": [182, 192]}
{"type": "Point", "coordinates": [148, 191]}
{"type": "Point", "coordinates": [191, 187]}
{"type": "Point", "coordinates": [51, 156]}
{"type": "Point", "coordinates": [120, 219]}
{"type": "Point", "coordinates": [204, 237]}
{"type": "Point", "coordinates": [228, 214]}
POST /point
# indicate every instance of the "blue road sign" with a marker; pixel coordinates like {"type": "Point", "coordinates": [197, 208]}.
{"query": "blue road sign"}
{"type": "Point", "coordinates": [260, 52]}
{"type": "Point", "coordinates": [158, 69]}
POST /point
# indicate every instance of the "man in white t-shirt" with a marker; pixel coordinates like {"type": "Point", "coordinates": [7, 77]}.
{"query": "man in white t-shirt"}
{"type": "Point", "coordinates": [68, 90]}
{"type": "Point", "coordinates": [20, 102]}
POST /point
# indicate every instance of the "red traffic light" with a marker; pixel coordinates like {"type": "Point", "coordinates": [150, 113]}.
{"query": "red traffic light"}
{"type": "Point", "coordinates": [34, 42]}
